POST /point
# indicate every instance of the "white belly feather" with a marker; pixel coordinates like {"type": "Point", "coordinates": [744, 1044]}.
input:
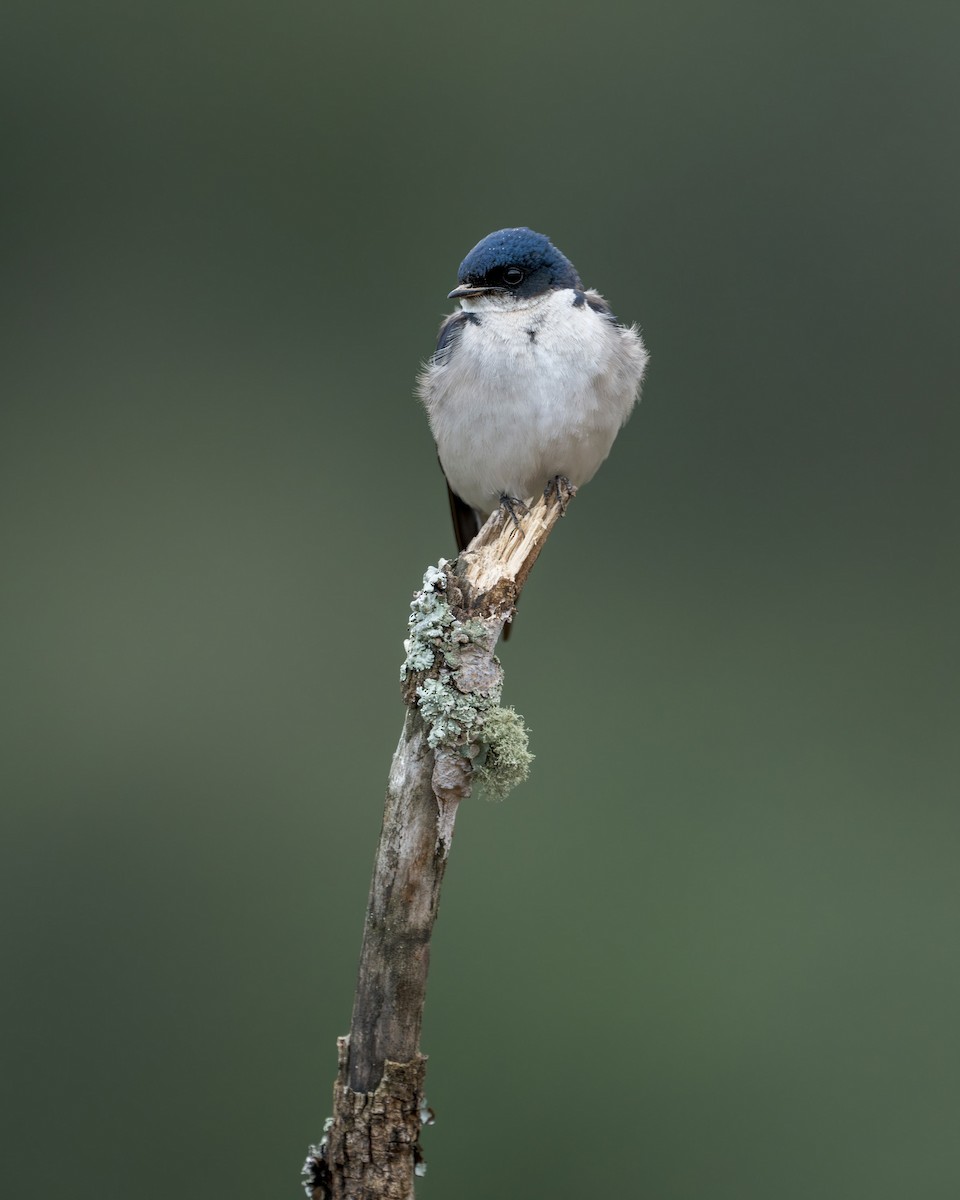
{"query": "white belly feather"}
{"type": "Point", "coordinates": [535, 390]}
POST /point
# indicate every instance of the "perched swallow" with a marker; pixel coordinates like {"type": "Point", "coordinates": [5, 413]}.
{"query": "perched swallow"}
{"type": "Point", "coordinates": [531, 381]}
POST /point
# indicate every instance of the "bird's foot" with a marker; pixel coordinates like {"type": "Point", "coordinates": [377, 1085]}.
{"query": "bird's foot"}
{"type": "Point", "coordinates": [511, 506]}
{"type": "Point", "coordinates": [560, 487]}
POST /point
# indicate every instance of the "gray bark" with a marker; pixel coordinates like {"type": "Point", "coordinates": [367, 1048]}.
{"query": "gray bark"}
{"type": "Point", "coordinates": [371, 1148]}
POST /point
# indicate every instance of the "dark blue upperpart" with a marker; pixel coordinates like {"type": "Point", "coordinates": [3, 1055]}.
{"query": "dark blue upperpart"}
{"type": "Point", "coordinates": [494, 262]}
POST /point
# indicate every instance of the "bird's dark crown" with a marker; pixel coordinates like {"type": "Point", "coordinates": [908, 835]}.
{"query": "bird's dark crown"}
{"type": "Point", "coordinates": [495, 262]}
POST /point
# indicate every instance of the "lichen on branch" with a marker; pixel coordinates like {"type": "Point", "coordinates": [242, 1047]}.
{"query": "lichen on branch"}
{"type": "Point", "coordinates": [452, 675]}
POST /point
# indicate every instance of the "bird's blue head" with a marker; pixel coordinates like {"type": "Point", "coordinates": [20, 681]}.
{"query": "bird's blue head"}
{"type": "Point", "coordinates": [514, 262]}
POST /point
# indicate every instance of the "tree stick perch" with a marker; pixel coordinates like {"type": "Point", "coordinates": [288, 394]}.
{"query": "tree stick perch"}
{"type": "Point", "coordinates": [455, 736]}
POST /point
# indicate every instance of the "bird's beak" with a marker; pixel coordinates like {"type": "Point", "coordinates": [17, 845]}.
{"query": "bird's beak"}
{"type": "Point", "coordinates": [465, 290]}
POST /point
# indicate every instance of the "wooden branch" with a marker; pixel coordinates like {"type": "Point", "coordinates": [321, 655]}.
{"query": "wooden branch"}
{"type": "Point", "coordinates": [455, 735]}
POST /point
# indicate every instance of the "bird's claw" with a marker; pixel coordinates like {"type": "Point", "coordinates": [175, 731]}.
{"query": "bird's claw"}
{"type": "Point", "coordinates": [510, 505]}
{"type": "Point", "coordinates": [562, 489]}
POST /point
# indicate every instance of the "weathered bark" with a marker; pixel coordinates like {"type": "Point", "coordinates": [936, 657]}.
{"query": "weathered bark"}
{"type": "Point", "coordinates": [401, 911]}
{"type": "Point", "coordinates": [371, 1149]}
{"type": "Point", "coordinates": [374, 1142]}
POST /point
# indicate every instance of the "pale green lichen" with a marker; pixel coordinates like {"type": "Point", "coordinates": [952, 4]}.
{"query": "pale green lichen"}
{"type": "Point", "coordinates": [452, 717]}
{"type": "Point", "coordinates": [468, 718]}
{"type": "Point", "coordinates": [430, 615]}
{"type": "Point", "coordinates": [508, 757]}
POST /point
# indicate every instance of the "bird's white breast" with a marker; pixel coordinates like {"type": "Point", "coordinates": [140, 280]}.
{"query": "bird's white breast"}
{"type": "Point", "coordinates": [530, 390]}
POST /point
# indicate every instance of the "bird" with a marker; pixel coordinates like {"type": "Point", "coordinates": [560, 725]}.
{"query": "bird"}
{"type": "Point", "coordinates": [531, 380]}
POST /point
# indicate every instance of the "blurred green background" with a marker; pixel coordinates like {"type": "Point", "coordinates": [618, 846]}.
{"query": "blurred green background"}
{"type": "Point", "coordinates": [711, 949]}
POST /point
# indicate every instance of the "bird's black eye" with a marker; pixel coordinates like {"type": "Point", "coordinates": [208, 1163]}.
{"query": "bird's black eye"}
{"type": "Point", "coordinates": [513, 276]}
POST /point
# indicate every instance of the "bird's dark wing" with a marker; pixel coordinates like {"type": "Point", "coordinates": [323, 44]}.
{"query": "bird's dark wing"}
{"type": "Point", "coordinates": [450, 331]}
{"type": "Point", "coordinates": [466, 523]}
{"type": "Point", "coordinates": [595, 301]}
{"type": "Point", "coordinates": [466, 520]}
